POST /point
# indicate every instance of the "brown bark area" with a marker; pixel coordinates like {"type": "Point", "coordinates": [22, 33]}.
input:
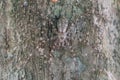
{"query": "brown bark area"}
{"type": "Point", "coordinates": [66, 40]}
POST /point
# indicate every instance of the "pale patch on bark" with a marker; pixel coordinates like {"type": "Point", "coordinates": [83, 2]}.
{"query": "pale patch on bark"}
{"type": "Point", "coordinates": [107, 31]}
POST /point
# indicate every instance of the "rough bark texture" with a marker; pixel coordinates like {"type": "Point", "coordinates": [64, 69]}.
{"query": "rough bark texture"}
{"type": "Point", "coordinates": [65, 40]}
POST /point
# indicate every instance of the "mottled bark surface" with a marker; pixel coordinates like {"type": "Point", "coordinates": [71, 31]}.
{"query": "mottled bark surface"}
{"type": "Point", "coordinates": [65, 40]}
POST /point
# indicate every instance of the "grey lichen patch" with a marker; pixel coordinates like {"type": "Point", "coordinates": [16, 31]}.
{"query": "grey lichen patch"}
{"type": "Point", "coordinates": [66, 68]}
{"type": "Point", "coordinates": [70, 9]}
{"type": "Point", "coordinates": [73, 67]}
{"type": "Point", "coordinates": [56, 69]}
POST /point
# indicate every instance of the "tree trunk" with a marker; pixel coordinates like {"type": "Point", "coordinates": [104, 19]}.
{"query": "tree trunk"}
{"type": "Point", "coordinates": [59, 40]}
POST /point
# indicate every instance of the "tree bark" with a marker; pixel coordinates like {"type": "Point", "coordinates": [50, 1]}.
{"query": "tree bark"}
{"type": "Point", "coordinates": [59, 40]}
